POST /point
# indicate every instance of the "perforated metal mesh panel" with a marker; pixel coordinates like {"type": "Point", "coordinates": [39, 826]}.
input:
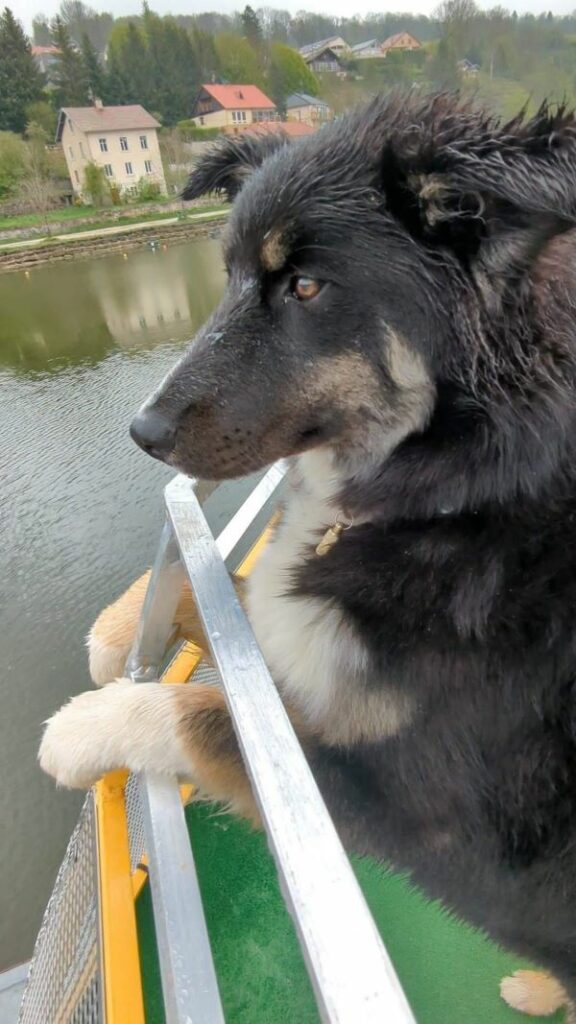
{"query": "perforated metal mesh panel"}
{"type": "Point", "coordinates": [64, 984]}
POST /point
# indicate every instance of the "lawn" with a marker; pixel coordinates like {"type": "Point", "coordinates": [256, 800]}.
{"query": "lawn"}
{"type": "Point", "coordinates": [68, 213]}
{"type": "Point", "coordinates": [77, 216]}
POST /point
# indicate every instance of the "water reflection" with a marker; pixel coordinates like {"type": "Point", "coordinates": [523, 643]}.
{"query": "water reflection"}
{"type": "Point", "coordinates": [81, 346]}
{"type": "Point", "coordinates": [71, 313]}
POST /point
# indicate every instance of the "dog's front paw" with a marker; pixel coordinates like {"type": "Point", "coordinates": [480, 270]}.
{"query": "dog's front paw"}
{"type": "Point", "coordinates": [106, 661]}
{"type": "Point", "coordinates": [125, 725]}
{"type": "Point", "coordinates": [73, 748]}
{"type": "Point", "coordinates": [536, 993]}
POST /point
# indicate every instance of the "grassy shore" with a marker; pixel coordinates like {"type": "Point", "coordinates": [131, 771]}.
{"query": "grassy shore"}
{"type": "Point", "coordinates": [71, 219]}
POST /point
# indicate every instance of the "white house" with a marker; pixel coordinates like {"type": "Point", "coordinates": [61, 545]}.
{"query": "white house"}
{"type": "Point", "coordinates": [121, 140]}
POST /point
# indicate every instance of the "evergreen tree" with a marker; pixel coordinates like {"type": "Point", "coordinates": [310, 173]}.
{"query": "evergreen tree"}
{"type": "Point", "coordinates": [251, 28]}
{"type": "Point", "coordinates": [95, 74]}
{"type": "Point", "coordinates": [41, 30]}
{"type": "Point", "coordinates": [129, 78]}
{"type": "Point", "coordinates": [20, 80]}
{"type": "Point", "coordinates": [69, 75]}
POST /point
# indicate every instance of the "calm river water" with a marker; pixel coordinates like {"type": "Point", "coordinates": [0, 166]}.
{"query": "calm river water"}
{"type": "Point", "coordinates": [81, 345]}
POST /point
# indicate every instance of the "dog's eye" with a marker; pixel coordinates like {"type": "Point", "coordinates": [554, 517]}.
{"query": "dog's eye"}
{"type": "Point", "coordinates": [304, 288]}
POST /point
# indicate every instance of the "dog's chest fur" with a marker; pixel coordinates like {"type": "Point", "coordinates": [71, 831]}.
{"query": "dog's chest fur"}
{"type": "Point", "coordinates": [318, 661]}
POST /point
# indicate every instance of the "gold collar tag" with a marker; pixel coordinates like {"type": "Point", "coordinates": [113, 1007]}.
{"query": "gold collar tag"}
{"type": "Point", "coordinates": [331, 537]}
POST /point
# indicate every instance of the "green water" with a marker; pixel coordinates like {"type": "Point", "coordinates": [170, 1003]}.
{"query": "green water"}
{"type": "Point", "coordinates": [81, 345]}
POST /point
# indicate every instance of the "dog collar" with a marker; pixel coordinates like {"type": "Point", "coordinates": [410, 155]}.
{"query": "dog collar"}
{"type": "Point", "coordinates": [333, 534]}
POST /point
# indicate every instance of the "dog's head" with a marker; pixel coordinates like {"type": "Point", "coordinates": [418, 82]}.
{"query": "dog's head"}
{"type": "Point", "coordinates": [377, 272]}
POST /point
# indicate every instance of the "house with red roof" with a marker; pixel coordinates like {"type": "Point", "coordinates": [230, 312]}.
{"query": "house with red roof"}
{"type": "Point", "coordinates": [232, 107]}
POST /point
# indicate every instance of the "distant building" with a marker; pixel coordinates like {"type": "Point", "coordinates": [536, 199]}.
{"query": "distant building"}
{"type": "Point", "coordinates": [307, 109]}
{"type": "Point", "coordinates": [121, 140]}
{"type": "Point", "coordinates": [324, 58]}
{"type": "Point", "coordinates": [370, 49]}
{"type": "Point", "coordinates": [338, 46]}
{"type": "Point", "coordinates": [232, 107]}
{"type": "Point", "coordinates": [46, 57]}
{"type": "Point", "coordinates": [467, 68]}
{"type": "Point", "coordinates": [401, 41]}
{"type": "Point", "coordinates": [292, 129]}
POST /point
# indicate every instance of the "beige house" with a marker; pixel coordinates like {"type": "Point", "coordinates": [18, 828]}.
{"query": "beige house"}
{"type": "Point", "coordinates": [307, 109]}
{"type": "Point", "coordinates": [401, 41]}
{"type": "Point", "coordinates": [121, 140]}
{"type": "Point", "coordinates": [232, 107]}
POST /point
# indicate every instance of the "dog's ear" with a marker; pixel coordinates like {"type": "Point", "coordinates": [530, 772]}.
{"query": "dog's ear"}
{"type": "Point", "coordinates": [472, 179]}
{"type": "Point", "coordinates": [230, 162]}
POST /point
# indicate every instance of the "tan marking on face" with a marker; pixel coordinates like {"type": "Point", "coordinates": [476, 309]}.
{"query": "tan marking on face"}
{"type": "Point", "coordinates": [376, 421]}
{"type": "Point", "coordinates": [406, 367]}
{"type": "Point", "coordinates": [274, 252]}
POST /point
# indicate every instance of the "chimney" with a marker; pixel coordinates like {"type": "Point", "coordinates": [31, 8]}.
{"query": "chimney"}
{"type": "Point", "coordinates": [98, 103]}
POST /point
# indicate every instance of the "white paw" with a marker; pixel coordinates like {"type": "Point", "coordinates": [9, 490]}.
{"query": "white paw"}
{"type": "Point", "coordinates": [106, 662]}
{"type": "Point", "coordinates": [533, 992]}
{"type": "Point", "coordinates": [126, 725]}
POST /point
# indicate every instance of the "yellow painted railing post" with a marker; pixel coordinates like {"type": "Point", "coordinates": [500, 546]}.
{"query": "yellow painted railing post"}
{"type": "Point", "coordinates": [120, 957]}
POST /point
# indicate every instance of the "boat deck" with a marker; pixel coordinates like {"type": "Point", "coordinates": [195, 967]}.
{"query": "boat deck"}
{"type": "Point", "coordinates": [450, 972]}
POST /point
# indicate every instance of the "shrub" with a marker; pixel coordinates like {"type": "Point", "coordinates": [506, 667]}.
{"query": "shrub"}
{"type": "Point", "coordinates": [148, 190]}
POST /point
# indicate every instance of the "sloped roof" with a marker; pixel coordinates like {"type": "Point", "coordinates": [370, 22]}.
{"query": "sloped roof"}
{"type": "Point", "coordinates": [397, 38]}
{"type": "Point", "coordinates": [39, 51]}
{"type": "Point", "coordinates": [99, 119]}
{"type": "Point", "coordinates": [239, 97]}
{"type": "Point", "coordinates": [303, 99]}
{"type": "Point", "coordinates": [292, 129]}
{"type": "Point", "coordinates": [322, 44]}
{"type": "Point", "coordinates": [370, 44]}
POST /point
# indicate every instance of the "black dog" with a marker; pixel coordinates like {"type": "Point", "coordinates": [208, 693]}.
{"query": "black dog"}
{"type": "Point", "coordinates": [400, 320]}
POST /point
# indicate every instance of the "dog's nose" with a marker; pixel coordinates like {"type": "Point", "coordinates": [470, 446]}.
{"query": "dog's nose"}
{"type": "Point", "coordinates": [154, 433]}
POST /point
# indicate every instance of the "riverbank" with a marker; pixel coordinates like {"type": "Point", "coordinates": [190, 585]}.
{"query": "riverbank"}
{"type": "Point", "coordinates": [28, 254]}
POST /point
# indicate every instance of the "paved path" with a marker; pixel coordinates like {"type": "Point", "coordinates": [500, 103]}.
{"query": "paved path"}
{"type": "Point", "coordinates": [117, 229]}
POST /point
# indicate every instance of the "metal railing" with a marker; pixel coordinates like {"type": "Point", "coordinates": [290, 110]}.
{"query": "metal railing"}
{"type": "Point", "coordinates": [352, 975]}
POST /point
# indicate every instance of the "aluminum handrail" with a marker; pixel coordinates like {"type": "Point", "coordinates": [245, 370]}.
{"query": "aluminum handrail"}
{"type": "Point", "coordinates": [353, 978]}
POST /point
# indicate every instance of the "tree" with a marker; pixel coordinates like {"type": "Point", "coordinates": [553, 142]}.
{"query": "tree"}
{"type": "Point", "coordinates": [251, 28]}
{"type": "Point", "coordinates": [128, 68]}
{"type": "Point", "coordinates": [41, 31]}
{"type": "Point", "coordinates": [288, 73]}
{"type": "Point", "coordinates": [38, 191]}
{"type": "Point", "coordinates": [69, 76]}
{"type": "Point", "coordinates": [42, 113]}
{"type": "Point", "coordinates": [95, 74]}
{"type": "Point", "coordinates": [81, 20]}
{"type": "Point", "coordinates": [205, 55]}
{"type": "Point", "coordinates": [12, 163]}
{"type": "Point", "coordinates": [20, 80]}
{"type": "Point", "coordinates": [238, 60]}
{"type": "Point", "coordinates": [95, 184]}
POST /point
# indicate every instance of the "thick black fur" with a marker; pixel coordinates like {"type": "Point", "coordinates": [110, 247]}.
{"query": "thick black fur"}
{"type": "Point", "coordinates": [456, 231]}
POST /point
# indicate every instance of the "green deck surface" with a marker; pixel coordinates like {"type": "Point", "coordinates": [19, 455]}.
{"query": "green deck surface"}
{"type": "Point", "coordinates": [450, 973]}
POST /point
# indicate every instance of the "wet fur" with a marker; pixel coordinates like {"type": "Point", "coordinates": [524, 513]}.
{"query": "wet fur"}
{"type": "Point", "coordinates": [434, 384]}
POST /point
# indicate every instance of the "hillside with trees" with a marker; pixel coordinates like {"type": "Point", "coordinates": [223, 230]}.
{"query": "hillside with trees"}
{"type": "Point", "coordinates": [508, 60]}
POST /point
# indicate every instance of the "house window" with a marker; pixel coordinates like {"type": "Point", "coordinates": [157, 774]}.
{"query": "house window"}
{"type": "Point", "coordinates": [81, 148]}
{"type": "Point", "coordinates": [148, 166]}
{"type": "Point", "coordinates": [201, 119]}
{"type": "Point", "coordinates": [108, 170]}
{"type": "Point", "coordinates": [238, 115]}
{"type": "Point", "coordinates": [71, 151]}
{"type": "Point", "coordinates": [128, 167]}
{"type": "Point", "coordinates": [143, 142]}
{"type": "Point", "coordinates": [123, 142]}
{"type": "Point", "coordinates": [77, 176]}
{"type": "Point", "coordinates": [103, 145]}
